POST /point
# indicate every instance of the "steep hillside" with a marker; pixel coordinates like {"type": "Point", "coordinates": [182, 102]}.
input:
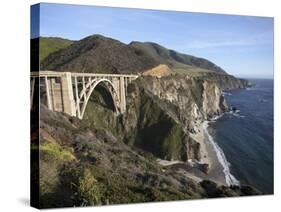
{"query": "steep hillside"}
{"type": "Point", "coordinates": [49, 45]}
{"type": "Point", "coordinates": [177, 61]}
{"type": "Point", "coordinates": [109, 159]}
{"type": "Point", "coordinates": [99, 54]}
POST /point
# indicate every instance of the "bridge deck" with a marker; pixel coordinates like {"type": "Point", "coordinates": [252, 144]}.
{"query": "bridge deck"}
{"type": "Point", "coordinates": [75, 74]}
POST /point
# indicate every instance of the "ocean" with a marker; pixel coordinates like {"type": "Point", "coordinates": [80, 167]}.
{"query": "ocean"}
{"type": "Point", "coordinates": [244, 139]}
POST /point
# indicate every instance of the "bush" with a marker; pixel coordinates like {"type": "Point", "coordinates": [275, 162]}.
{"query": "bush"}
{"type": "Point", "coordinates": [83, 185]}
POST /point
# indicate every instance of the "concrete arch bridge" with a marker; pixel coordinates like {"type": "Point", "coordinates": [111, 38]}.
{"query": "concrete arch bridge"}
{"type": "Point", "coordinates": [70, 92]}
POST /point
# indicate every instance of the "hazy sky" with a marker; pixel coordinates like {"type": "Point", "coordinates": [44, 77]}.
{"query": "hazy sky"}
{"type": "Point", "coordinates": [242, 45]}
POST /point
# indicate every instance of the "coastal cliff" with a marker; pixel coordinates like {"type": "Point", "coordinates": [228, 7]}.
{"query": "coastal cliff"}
{"type": "Point", "coordinates": [164, 116]}
{"type": "Point", "coordinates": [180, 104]}
{"type": "Point", "coordinates": [226, 82]}
{"type": "Point", "coordinates": [161, 115]}
{"type": "Point", "coordinates": [87, 163]}
{"type": "Point", "coordinates": [156, 150]}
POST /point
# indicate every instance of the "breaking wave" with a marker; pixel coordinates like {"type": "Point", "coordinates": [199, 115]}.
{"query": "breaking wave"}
{"type": "Point", "coordinates": [229, 178]}
{"type": "Point", "coordinates": [236, 114]}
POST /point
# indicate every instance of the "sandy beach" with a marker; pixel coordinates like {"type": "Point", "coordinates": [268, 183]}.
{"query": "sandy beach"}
{"type": "Point", "coordinates": [208, 155]}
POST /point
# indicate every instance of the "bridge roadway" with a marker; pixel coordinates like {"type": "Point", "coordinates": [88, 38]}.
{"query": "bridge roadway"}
{"type": "Point", "coordinates": [70, 92]}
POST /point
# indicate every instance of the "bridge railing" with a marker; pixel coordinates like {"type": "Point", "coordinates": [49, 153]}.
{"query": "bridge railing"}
{"type": "Point", "coordinates": [76, 74]}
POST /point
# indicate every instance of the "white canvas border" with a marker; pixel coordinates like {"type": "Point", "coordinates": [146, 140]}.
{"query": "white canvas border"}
{"type": "Point", "coordinates": [14, 153]}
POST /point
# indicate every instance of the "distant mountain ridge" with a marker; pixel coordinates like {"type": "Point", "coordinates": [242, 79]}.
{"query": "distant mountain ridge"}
{"type": "Point", "coordinates": [101, 54]}
{"type": "Point", "coordinates": [173, 58]}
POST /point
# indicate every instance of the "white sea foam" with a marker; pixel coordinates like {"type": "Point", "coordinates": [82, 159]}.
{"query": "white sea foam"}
{"type": "Point", "coordinates": [236, 114]}
{"type": "Point", "coordinates": [229, 178]}
{"type": "Point", "coordinates": [226, 94]}
{"type": "Point", "coordinates": [215, 118]}
{"type": "Point", "coordinates": [257, 89]}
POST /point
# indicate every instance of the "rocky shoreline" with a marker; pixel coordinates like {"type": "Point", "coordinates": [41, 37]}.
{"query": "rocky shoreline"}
{"type": "Point", "coordinates": [215, 169]}
{"type": "Point", "coordinates": [112, 153]}
{"type": "Point", "coordinates": [206, 165]}
{"type": "Point", "coordinates": [207, 168]}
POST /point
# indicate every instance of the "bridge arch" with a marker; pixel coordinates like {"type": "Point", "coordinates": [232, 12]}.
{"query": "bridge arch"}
{"type": "Point", "coordinates": [88, 90]}
{"type": "Point", "coordinates": [69, 92]}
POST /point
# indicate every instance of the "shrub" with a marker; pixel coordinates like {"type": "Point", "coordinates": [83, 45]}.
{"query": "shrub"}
{"type": "Point", "coordinates": [83, 186]}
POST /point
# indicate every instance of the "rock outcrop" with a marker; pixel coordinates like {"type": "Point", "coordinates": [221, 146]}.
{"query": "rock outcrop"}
{"type": "Point", "coordinates": [83, 165]}
{"type": "Point", "coordinates": [225, 81]}
{"type": "Point", "coordinates": [162, 113]}
{"type": "Point", "coordinates": [158, 71]}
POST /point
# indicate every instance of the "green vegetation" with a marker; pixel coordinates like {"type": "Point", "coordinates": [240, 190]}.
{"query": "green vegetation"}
{"type": "Point", "coordinates": [100, 111]}
{"type": "Point", "coordinates": [173, 143]}
{"type": "Point", "coordinates": [178, 62]}
{"type": "Point", "coordinates": [49, 45]}
{"type": "Point", "coordinates": [83, 186]}
{"type": "Point", "coordinates": [92, 185]}
{"type": "Point", "coordinates": [57, 152]}
{"type": "Point", "coordinates": [189, 70]}
{"type": "Point", "coordinates": [104, 171]}
{"type": "Point", "coordinates": [101, 54]}
{"type": "Point", "coordinates": [156, 131]}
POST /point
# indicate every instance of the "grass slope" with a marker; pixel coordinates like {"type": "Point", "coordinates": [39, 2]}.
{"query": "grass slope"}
{"type": "Point", "coordinates": [49, 45]}
{"type": "Point", "coordinates": [100, 54]}
{"type": "Point", "coordinates": [178, 62]}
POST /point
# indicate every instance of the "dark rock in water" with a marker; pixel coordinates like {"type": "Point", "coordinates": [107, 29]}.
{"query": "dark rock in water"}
{"type": "Point", "coordinates": [248, 190]}
{"type": "Point", "coordinates": [234, 109]}
{"type": "Point", "coordinates": [211, 188]}
{"type": "Point", "coordinates": [214, 190]}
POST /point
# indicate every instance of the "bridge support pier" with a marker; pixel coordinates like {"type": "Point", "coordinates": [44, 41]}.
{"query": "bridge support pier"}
{"type": "Point", "coordinates": [67, 94]}
{"type": "Point", "coordinates": [122, 95]}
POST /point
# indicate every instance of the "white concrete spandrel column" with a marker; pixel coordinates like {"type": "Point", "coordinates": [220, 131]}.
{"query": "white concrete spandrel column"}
{"type": "Point", "coordinates": [67, 94]}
